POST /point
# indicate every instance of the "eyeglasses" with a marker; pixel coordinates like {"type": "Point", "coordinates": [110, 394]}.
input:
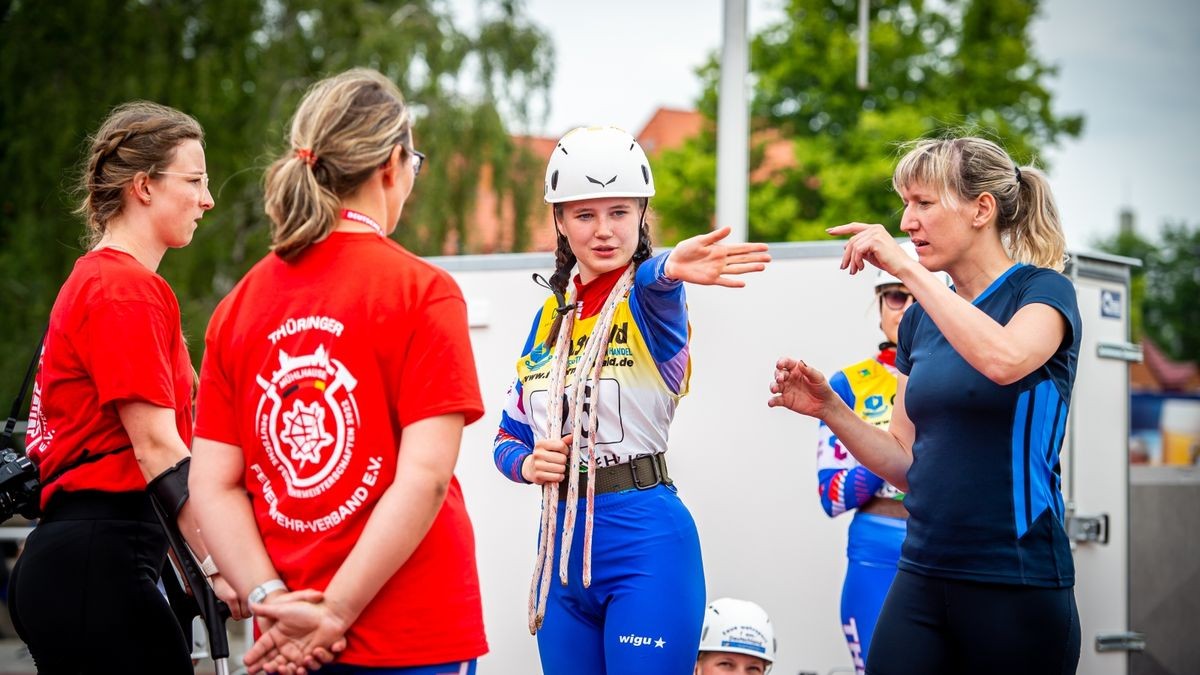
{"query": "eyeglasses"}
{"type": "Point", "coordinates": [202, 176]}
{"type": "Point", "coordinates": [895, 299]}
{"type": "Point", "coordinates": [418, 160]}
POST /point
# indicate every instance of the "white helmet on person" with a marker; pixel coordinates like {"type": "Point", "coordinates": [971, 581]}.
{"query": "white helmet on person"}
{"type": "Point", "coordinates": [885, 278]}
{"type": "Point", "coordinates": [595, 162]}
{"type": "Point", "coordinates": [737, 626]}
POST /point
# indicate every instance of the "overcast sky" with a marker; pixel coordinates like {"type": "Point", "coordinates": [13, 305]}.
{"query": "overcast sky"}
{"type": "Point", "coordinates": [1129, 67]}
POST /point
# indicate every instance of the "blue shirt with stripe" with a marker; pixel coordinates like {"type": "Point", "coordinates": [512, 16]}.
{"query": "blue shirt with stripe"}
{"type": "Point", "coordinates": [984, 500]}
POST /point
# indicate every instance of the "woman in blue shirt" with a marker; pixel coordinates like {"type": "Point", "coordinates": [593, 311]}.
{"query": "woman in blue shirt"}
{"type": "Point", "coordinates": [985, 581]}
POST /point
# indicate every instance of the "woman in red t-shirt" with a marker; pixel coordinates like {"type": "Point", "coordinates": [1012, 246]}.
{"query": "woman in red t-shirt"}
{"type": "Point", "coordinates": [112, 411]}
{"type": "Point", "coordinates": [337, 378]}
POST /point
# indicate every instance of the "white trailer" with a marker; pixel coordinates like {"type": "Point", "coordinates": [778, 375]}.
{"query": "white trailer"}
{"type": "Point", "coordinates": [748, 472]}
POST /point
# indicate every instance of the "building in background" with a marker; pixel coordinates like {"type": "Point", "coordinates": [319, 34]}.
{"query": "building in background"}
{"type": "Point", "coordinates": [494, 230]}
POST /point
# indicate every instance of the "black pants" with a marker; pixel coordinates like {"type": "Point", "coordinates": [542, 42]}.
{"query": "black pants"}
{"type": "Point", "coordinates": [83, 595]}
{"type": "Point", "coordinates": [929, 626]}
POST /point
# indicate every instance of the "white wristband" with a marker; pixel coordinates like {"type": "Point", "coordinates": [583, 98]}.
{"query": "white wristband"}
{"type": "Point", "coordinates": [264, 589]}
{"type": "Point", "coordinates": [208, 567]}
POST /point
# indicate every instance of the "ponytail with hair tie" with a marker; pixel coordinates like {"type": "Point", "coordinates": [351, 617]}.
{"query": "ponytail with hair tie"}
{"type": "Point", "coordinates": [307, 156]}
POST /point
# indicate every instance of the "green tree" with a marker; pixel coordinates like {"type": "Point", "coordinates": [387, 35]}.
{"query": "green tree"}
{"type": "Point", "coordinates": [935, 67]}
{"type": "Point", "coordinates": [1164, 291]}
{"type": "Point", "coordinates": [240, 67]}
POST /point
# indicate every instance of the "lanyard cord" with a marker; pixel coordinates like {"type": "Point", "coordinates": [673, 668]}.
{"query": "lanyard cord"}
{"type": "Point", "coordinates": [355, 216]}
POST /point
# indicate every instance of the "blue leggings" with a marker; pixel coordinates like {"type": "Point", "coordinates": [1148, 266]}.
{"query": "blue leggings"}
{"type": "Point", "coordinates": [872, 552]}
{"type": "Point", "coordinates": [645, 606]}
{"type": "Point", "coordinates": [455, 668]}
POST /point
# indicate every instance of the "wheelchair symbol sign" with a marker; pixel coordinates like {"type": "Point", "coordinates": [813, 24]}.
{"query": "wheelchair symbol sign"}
{"type": "Point", "coordinates": [1110, 304]}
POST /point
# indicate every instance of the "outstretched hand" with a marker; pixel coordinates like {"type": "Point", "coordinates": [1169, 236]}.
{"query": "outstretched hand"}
{"type": "Point", "coordinates": [871, 244]}
{"type": "Point", "coordinates": [704, 260]}
{"type": "Point", "coordinates": [801, 388]}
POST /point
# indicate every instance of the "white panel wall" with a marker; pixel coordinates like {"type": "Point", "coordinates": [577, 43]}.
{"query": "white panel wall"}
{"type": "Point", "coordinates": [746, 472]}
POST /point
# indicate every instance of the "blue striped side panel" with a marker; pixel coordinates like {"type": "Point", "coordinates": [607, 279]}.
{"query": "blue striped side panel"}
{"type": "Point", "coordinates": [1038, 427]}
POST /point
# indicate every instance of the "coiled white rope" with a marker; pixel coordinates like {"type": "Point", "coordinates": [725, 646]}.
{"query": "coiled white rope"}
{"type": "Point", "coordinates": [587, 382]}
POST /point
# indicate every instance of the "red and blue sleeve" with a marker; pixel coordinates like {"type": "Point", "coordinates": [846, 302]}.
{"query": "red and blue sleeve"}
{"type": "Point", "coordinates": [842, 483]}
{"type": "Point", "coordinates": [659, 306]}
{"type": "Point", "coordinates": [514, 439]}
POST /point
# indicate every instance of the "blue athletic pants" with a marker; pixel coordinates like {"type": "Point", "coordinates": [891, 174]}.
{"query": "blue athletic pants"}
{"type": "Point", "coordinates": [645, 606]}
{"type": "Point", "coordinates": [872, 550]}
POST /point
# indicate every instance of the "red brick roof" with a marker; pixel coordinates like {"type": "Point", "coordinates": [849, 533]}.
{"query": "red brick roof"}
{"type": "Point", "coordinates": [1158, 372]}
{"type": "Point", "coordinates": [667, 128]}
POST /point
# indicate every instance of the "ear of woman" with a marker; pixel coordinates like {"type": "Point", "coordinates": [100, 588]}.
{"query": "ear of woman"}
{"type": "Point", "coordinates": [139, 187]}
{"type": "Point", "coordinates": [390, 170]}
{"type": "Point", "coordinates": [985, 210]}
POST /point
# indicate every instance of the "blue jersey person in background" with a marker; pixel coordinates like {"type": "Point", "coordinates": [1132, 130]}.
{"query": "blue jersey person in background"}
{"type": "Point", "coordinates": [869, 389]}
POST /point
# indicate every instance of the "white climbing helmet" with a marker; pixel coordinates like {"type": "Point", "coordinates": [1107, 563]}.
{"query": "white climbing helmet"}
{"type": "Point", "coordinates": [883, 278]}
{"type": "Point", "coordinates": [594, 162]}
{"type": "Point", "coordinates": [738, 627]}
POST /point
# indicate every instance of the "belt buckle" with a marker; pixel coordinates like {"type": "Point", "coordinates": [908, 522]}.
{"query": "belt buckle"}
{"type": "Point", "coordinates": [653, 467]}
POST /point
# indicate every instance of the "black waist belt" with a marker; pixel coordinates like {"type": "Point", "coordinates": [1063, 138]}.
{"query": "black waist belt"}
{"type": "Point", "coordinates": [641, 473]}
{"type": "Point", "coordinates": [97, 505]}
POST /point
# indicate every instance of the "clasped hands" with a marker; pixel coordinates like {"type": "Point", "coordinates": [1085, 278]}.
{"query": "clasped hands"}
{"type": "Point", "coordinates": [300, 631]}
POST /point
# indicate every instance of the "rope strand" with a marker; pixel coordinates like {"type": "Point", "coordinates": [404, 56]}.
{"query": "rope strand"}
{"type": "Point", "coordinates": [587, 371]}
{"type": "Point", "coordinates": [587, 381]}
{"type": "Point", "coordinates": [543, 568]}
{"type": "Point", "coordinates": [587, 384]}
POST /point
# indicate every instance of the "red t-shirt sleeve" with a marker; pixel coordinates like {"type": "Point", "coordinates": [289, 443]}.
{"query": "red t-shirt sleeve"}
{"type": "Point", "coordinates": [130, 352]}
{"type": "Point", "coordinates": [437, 375]}
{"type": "Point", "coordinates": [215, 416]}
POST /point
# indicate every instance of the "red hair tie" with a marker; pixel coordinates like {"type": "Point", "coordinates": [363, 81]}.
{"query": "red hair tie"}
{"type": "Point", "coordinates": [306, 155]}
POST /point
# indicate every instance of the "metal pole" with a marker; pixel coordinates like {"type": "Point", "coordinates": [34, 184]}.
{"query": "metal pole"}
{"type": "Point", "coordinates": [864, 35]}
{"type": "Point", "coordinates": [733, 124]}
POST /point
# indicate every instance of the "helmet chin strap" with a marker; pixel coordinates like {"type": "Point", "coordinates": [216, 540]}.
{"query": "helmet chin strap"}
{"type": "Point", "coordinates": [642, 223]}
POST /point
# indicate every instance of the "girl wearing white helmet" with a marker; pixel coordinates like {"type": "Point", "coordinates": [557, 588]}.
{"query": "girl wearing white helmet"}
{"type": "Point", "coordinates": [737, 639]}
{"type": "Point", "coordinates": [629, 597]}
{"type": "Point", "coordinates": [868, 387]}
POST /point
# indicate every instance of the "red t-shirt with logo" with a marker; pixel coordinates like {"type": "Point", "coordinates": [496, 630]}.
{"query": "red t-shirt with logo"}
{"type": "Point", "coordinates": [313, 368]}
{"type": "Point", "coordinates": [114, 336]}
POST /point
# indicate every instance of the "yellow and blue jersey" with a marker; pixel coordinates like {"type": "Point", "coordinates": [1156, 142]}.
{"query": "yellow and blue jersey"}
{"type": "Point", "coordinates": [645, 373]}
{"type": "Point", "coordinates": [869, 389]}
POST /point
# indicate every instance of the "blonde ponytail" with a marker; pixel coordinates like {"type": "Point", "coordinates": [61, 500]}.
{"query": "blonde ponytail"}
{"type": "Point", "coordinates": [303, 210]}
{"type": "Point", "coordinates": [1035, 235]}
{"type": "Point", "coordinates": [345, 128]}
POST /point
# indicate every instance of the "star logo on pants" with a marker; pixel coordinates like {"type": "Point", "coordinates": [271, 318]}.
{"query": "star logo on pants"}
{"type": "Point", "coordinates": [659, 643]}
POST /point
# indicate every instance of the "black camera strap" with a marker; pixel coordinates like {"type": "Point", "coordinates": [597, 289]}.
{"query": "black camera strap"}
{"type": "Point", "coordinates": [11, 425]}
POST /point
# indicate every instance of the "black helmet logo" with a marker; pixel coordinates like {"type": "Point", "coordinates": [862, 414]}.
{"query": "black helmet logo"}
{"type": "Point", "coordinates": [601, 184]}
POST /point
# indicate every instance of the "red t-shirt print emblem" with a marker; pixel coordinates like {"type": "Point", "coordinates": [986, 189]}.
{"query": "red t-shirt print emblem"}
{"type": "Point", "coordinates": [304, 431]}
{"type": "Point", "coordinates": [307, 420]}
